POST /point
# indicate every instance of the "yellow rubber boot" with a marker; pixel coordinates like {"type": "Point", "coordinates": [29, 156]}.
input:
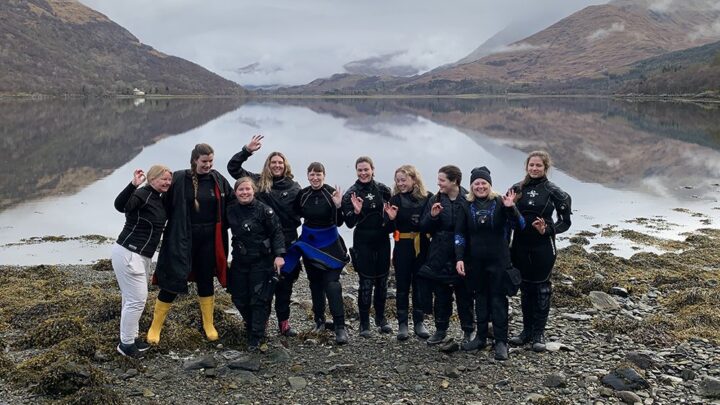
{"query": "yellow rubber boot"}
{"type": "Point", "coordinates": [161, 311]}
{"type": "Point", "coordinates": [207, 306]}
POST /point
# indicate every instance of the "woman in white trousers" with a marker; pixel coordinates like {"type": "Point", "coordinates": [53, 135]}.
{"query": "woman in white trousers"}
{"type": "Point", "coordinates": [132, 253]}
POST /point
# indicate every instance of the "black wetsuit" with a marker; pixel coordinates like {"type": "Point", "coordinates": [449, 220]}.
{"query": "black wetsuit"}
{"type": "Point", "coordinates": [281, 198]}
{"type": "Point", "coordinates": [318, 211]}
{"type": "Point", "coordinates": [440, 265]}
{"type": "Point", "coordinates": [534, 254]}
{"type": "Point", "coordinates": [190, 247]}
{"type": "Point", "coordinates": [371, 247]}
{"type": "Point", "coordinates": [257, 240]}
{"type": "Point", "coordinates": [144, 219]}
{"type": "Point", "coordinates": [481, 242]}
{"type": "Point", "coordinates": [407, 259]}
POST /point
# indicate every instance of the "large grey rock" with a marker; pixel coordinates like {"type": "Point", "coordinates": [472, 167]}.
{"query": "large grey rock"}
{"type": "Point", "coordinates": [279, 355]}
{"type": "Point", "coordinates": [710, 387]}
{"type": "Point", "coordinates": [642, 359]}
{"type": "Point", "coordinates": [297, 383]}
{"type": "Point", "coordinates": [207, 361]}
{"type": "Point", "coordinates": [625, 379]}
{"type": "Point", "coordinates": [629, 397]}
{"type": "Point", "coordinates": [603, 301]}
{"type": "Point", "coordinates": [246, 378]}
{"type": "Point", "coordinates": [245, 363]}
{"type": "Point", "coordinates": [555, 380]}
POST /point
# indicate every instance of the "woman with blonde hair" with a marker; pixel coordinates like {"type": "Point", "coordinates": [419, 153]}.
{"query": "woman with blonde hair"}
{"type": "Point", "coordinates": [404, 211]}
{"type": "Point", "coordinates": [277, 189]}
{"type": "Point", "coordinates": [131, 255]}
{"type": "Point", "coordinates": [258, 249]}
{"type": "Point", "coordinates": [195, 241]}
{"type": "Point", "coordinates": [483, 257]}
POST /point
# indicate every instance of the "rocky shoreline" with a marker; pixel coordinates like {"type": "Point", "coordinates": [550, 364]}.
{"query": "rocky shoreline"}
{"type": "Point", "coordinates": [639, 330]}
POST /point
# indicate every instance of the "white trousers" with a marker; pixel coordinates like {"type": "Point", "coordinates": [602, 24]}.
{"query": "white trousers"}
{"type": "Point", "coordinates": [131, 271]}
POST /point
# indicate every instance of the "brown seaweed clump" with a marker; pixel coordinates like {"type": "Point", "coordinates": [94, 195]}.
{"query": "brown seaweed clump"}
{"type": "Point", "coordinates": [94, 395]}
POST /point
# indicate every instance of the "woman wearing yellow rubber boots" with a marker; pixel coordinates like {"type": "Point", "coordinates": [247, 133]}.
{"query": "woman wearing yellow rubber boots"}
{"type": "Point", "coordinates": [195, 241]}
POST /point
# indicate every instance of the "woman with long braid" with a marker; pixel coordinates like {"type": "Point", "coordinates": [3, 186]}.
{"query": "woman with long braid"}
{"type": "Point", "coordinates": [195, 241]}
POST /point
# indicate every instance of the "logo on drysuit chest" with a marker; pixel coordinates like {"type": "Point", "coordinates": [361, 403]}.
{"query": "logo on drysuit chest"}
{"type": "Point", "coordinates": [370, 197]}
{"type": "Point", "coordinates": [247, 227]}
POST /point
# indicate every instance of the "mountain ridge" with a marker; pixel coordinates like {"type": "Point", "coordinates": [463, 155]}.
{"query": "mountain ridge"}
{"type": "Point", "coordinates": [61, 47]}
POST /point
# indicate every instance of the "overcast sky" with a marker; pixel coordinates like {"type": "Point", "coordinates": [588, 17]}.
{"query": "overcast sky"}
{"type": "Point", "coordinates": [294, 42]}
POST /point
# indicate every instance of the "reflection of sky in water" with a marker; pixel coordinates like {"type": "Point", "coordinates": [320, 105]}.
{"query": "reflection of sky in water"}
{"type": "Point", "coordinates": [305, 136]}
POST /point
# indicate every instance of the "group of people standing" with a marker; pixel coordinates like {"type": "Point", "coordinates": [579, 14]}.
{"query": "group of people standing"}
{"type": "Point", "coordinates": [455, 245]}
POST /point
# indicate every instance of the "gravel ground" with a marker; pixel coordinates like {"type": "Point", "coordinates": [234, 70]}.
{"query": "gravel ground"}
{"type": "Point", "coordinates": [611, 317]}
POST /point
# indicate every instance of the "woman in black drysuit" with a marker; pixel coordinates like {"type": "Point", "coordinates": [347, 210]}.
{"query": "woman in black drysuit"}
{"type": "Point", "coordinates": [439, 220]}
{"type": "Point", "coordinates": [278, 190]}
{"type": "Point", "coordinates": [322, 249]}
{"type": "Point", "coordinates": [363, 207]}
{"type": "Point", "coordinates": [404, 210]}
{"type": "Point", "coordinates": [483, 257]}
{"type": "Point", "coordinates": [533, 249]}
{"type": "Point", "coordinates": [258, 247]}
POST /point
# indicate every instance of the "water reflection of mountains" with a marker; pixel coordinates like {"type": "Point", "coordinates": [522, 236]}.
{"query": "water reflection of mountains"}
{"type": "Point", "coordinates": [57, 147]}
{"type": "Point", "coordinates": [655, 147]}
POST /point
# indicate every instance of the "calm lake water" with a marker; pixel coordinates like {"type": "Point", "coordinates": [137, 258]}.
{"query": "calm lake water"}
{"type": "Point", "coordinates": [65, 161]}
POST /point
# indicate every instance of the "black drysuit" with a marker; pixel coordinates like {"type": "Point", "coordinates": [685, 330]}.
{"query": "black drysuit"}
{"type": "Point", "coordinates": [534, 254]}
{"type": "Point", "coordinates": [440, 265]}
{"type": "Point", "coordinates": [280, 198]}
{"type": "Point", "coordinates": [371, 247]}
{"type": "Point", "coordinates": [318, 211]}
{"type": "Point", "coordinates": [257, 240]}
{"type": "Point", "coordinates": [481, 242]}
{"type": "Point", "coordinates": [409, 253]}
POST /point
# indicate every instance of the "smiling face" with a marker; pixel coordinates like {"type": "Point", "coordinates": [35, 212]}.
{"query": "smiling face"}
{"type": "Point", "coordinates": [535, 167]}
{"type": "Point", "coordinates": [277, 166]}
{"type": "Point", "coordinates": [364, 172]}
{"type": "Point", "coordinates": [443, 183]}
{"type": "Point", "coordinates": [404, 182]}
{"type": "Point", "coordinates": [161, 183]}
{"type": "Point", "coordinates": [204, 164]}
{"type": "Point", "coordinates": [316, 179]}
{"type": "Point", "coordinates": [481, 188]}
{"type": "Point", "coordinates": [245, 192]}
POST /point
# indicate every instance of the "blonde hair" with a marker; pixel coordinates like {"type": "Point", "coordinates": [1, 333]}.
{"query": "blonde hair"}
{"type": "Point", "coordinates": [156, 171]}
{"type": "Point", "coordinates": [492, 195]}
{"type": "Point", "coordinates": [419, 190]}
{"type": "Point", "coordinates": [266, 177]}
{"type": "Point", "coordinates": [246, 179]}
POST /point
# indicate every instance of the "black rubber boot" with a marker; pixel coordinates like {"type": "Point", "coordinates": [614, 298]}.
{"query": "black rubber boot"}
{"type": "Point", "coordinates": [437, 337]}
{"type": "Point", "coordinates": [501, 351]}
{"type": "Point", "coordinates": [418, 325]}
{"type": "Point", "coordinates": [383, 326]}
{"type": "Point", "coordinates": [475, 344]}
{"type": "Point", "coordinates": [403, 333]}
{"type": "Point", "coordinates": [341, 336]}
{"type": "Point", "coordinates": [421, 331]}
{"type": "Point", "coordinates": [538, 343]}
{"type": "Point", "coordinates": [541, 313]}
{"type": "Point", "coordinates": [523, 338]}
{"type": "Point", "coordinates": [365, 325]}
